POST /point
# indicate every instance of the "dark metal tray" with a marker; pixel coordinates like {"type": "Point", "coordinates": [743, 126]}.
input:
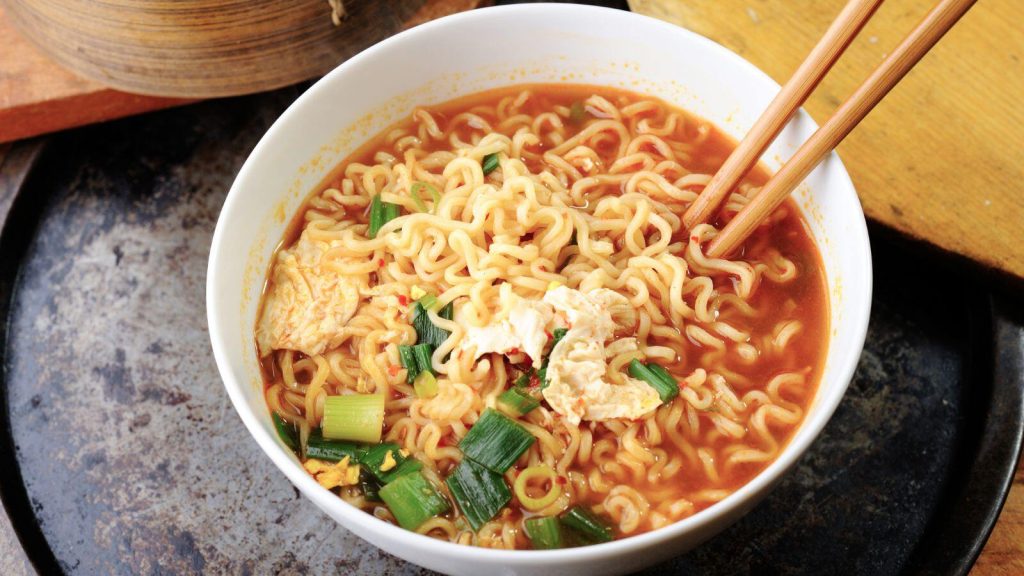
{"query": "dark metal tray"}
{"type": "Point", "coordinates": [120, 452]}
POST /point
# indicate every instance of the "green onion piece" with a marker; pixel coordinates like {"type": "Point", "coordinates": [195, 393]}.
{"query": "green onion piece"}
{"type": "Point", "coordinates": [429, 302]}
{"type": "Point", "coordinates": [425, 385]}
{"type": "Point", "coordinates": [329, 450]}
{"type": "Point", "coordinates": [415, 193]}
{"type": "Point", "coordinates": [410, 466]}
{"type": "Point", "coordinates": [375, 459]}
{"type": "Point", "coordinates": [556, 337]}
{"type": "Point", "coordinates": [577, 113]}
{"type": "Point", "coordinates": [658, 379]}
{"type": "Point", "coordinates": [426, 331]}
{"type": "Point", "coordinates": [490, 163]}
{"type": "Point", "coordinates": [376, 216]}
{"type": "Point", "coordinates": [355, 417]}
{"type": "Point", "coordinates": [496, 441]}
{"type": "Point", "coordinates": [516, 402]}
{"type": "Point", "coordinates": [661, 372]}
{"type": "Point", "coordinates": [390, 212]}
{"type": "Point", "coordinates": [288, 433]}
{"type": "Point", "coordinates": [479, 492]}
{"type": "Point", "coordinates": [523, 380]}
{"type": "Point", "coordinates": [587, 525]}
{"type": "Point", "coordinates": [413, 500]}
{"type": "Point", "coordinates": [408, 359]}
{"type": "Point", "coordinates": [420, 205]}
{"type": "Point", "coordinates": [670, 382]}
{"type": "Point", "coordinates": [422, 354]}
{"type": "Point", "coordinates": [369, 485]}
{"type": "Point", "coordinates": [545, 532]}
{"type": "Point", "coordinates": [381, 213]}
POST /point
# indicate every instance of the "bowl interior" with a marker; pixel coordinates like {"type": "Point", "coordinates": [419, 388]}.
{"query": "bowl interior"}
{"type": "Point", "coordinates": [485, 49]}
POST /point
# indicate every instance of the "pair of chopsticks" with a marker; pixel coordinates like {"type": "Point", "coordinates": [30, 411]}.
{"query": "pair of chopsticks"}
{"type": "Point", "coordinates": [835, 41]}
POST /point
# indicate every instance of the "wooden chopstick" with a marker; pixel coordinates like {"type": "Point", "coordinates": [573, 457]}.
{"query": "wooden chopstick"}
{"type": "Point", "coordinates": [945, 14]}
{"type": "Point", "coordinates": [837, 38]}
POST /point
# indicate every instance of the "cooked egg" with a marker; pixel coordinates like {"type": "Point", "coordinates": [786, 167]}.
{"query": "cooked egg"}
{"type": "Point", "coordinates": [521, 326]}
{"type": "Point", "coordinates": [389, 462]}
{"type": "Point", "coordinates": [577, 388]}
{"type": "Point", "coordinates": [307, 305]}
{"type": "Point", "coordinates": [328, 475]}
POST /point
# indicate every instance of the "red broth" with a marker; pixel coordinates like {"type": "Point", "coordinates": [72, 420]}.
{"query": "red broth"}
{"type": "Point", "coordinates": [762, 355]}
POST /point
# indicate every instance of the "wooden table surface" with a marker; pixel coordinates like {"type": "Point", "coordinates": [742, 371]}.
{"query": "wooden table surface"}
{"type": "Point", "coordinates": [941, 158]}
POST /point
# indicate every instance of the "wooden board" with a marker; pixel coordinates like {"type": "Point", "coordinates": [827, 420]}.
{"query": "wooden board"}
{"type": "Point", "coordinates": [942, 157]}
{"type": "Point", "coordinates": [38, 96]}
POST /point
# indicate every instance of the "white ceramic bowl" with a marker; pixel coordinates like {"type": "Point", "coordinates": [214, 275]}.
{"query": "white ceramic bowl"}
{"type": "Point", "coordinates": [484, 49]}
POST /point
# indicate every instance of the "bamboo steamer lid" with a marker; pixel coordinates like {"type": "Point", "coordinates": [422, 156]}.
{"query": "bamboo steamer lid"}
{"type": "Point", "coordinates": [210, 48]}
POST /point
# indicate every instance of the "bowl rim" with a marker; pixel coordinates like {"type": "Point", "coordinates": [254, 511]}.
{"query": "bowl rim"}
{"type": "Point", "coordinates": [324, 499]}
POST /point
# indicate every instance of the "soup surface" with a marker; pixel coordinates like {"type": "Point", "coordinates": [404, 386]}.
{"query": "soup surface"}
{"type": "Point", "coordinates": [490, 326]}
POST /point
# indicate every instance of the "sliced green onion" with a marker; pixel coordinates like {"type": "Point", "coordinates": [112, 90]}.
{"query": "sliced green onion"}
{"type": "Point", "coordinates": [381, 213]}
{"type": "Point", "coordinates": [577, 113]}
{"type": "Point", "coordinates": [355, 417]}
{"type": "Point", "coordinates": [496, 441]}
{"type": "Point", "coordinates": [416, 360]}
{"type": "Point", "coordinates": [490, 163]}
{"type": "Point", "coordinates": [376, 216]}
{"type": "Point", "coordinates": [479, 492]}
{"type": "Point", "coordinates": [516, 402]}
{"type": "Point", "coordinates": [556, 337]}
{"type": "Point", "coordinates": [671, 384]}
{"type": "Point", "coordinates": [420, 205]}
{"type": "Point", "coordinates": [409, 466]}
{"type": "Point", "coordinates": [408, 362]}
{"type": "Point", "coordinates": [388, 455]}
{"type": "Point", "coordinates": [428, 302]}
{"type": "Point", "coordinates": [330, 450]}
{"type": "Point", "coordinates": [657, 377]}
{"type": "Point", "coordinates": [524, 379]}
{"type": "Point", "coordinates": [587, 525]}
{"type": "Point", "coordinates": [413, 500]}
{"type": "Point", "coordinates": [373, 457]}
{"type": "Point", "coordinates": [369, 485]}
{"type": "Point", "coordinates": [415, 193]}
{"type": "Point", "coordinates": [545, 532]}
{"type": "Point", "coordinates": [545, 475]}
{"type": "Point", "coordinates": [288, 433]}
{"type": "Point", "coordinates": [422, 353]}
{"type": "Point", "coordinates": [425, 385]}
{"type": "Point", "coordinates": [426, 331]}
{"type": "Point", "coordinates": [390, 212]}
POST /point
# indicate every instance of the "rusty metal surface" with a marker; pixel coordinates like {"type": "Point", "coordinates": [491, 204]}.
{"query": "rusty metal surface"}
{"type": "Point", "coordinates": [14, 165]}
{"type": "Point", "coordinates": [133, 457]}
{"type": "Point", "coordinates": [134, 460]}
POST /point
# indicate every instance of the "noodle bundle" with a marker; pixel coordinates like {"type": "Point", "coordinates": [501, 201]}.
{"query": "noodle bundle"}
{"type": "Point", "coordinates": [518, 208]}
